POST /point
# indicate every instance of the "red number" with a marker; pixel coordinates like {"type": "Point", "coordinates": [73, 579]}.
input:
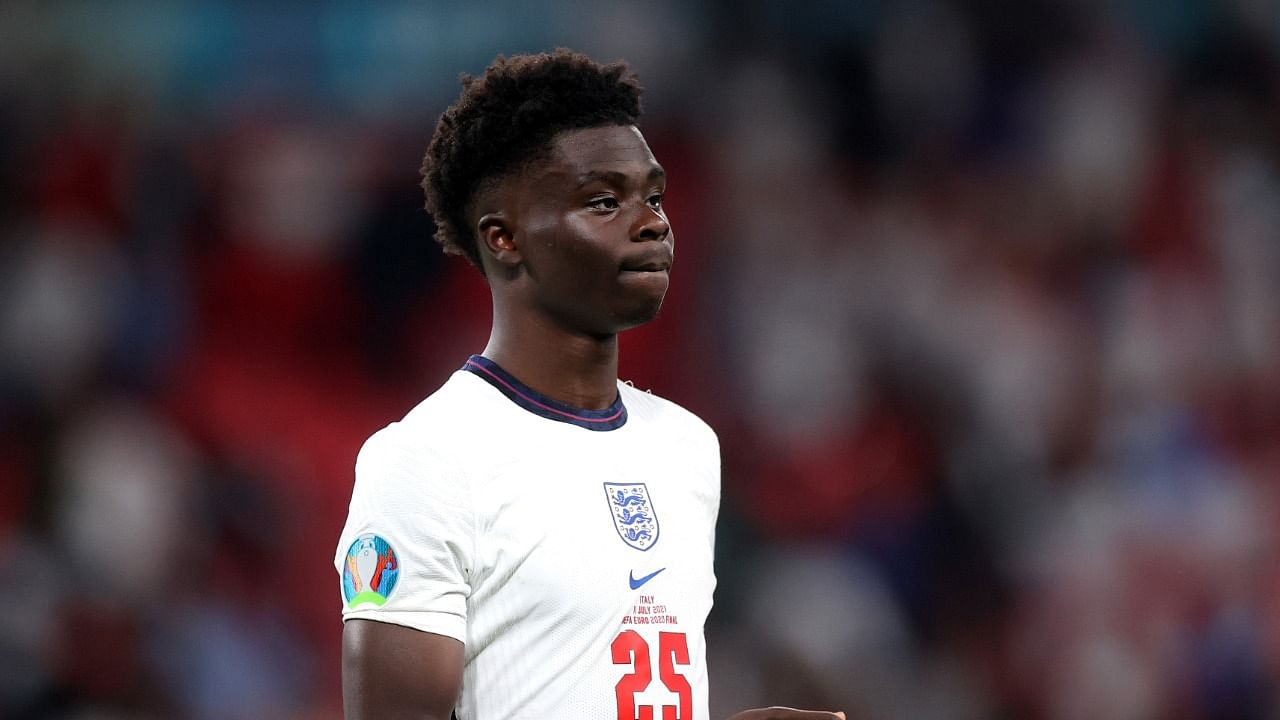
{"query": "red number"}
{"type": "Point", "coordinates": [673, 649]}
{"type": "Point", "coordinates": [631, 649]}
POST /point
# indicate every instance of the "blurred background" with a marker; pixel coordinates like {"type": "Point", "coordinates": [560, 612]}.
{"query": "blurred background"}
{"type": "Point", "coordinates": [982, 296]}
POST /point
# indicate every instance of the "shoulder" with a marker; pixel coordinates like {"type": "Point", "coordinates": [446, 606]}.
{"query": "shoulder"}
{"type": "Point", "coordinates": [657, 410]}
{"type": "Point", "coordinates": [444, 424]}
{"type": "Point", "coordinates": [434, 440]}
{"type": "Point", "coordinates": [690, 448]}
{"type": "Point", "coordinates": [453, 410]}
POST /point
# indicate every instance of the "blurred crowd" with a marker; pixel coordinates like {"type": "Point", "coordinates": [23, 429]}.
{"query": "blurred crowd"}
{"type": "Point", "coordinates": [982, 297]}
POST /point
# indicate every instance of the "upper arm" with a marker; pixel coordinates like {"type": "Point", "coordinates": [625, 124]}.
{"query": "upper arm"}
{"type": "Point", "coordinates": [391, 672]}
{"type": "Point", "coordinates": [404, 561]}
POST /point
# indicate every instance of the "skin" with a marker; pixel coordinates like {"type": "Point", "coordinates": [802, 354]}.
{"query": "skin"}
{"type": "Point", "coordinates": [394, 672]}
{"type": "Point", "coordinates": [555, 243]}
{"type": "Point", "coordinates": [576, 248]}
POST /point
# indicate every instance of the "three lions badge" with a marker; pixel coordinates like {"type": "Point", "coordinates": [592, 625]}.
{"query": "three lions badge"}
{"type": "Point", "coordinates": [633, 514]}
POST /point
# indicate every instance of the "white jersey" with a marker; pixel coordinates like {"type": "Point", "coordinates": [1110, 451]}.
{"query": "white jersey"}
{"type": "Point", "coordinates": [569, 550]}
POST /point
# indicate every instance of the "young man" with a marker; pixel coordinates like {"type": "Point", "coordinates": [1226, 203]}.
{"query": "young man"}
{"type": "Point", "coordinates": [534, 540]}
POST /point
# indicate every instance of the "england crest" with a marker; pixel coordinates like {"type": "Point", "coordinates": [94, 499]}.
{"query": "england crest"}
{"type": "Point", "coordinates": [633, 514]}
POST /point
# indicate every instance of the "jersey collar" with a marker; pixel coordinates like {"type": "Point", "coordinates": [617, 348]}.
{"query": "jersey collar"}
{"type": "Point", "coordinates": [610, 418]}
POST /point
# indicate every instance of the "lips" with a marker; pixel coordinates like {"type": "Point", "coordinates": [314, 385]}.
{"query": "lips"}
{"type": "Point", "coordinates": [647, 267]}
{"type": "Point", "coordinates": [651, 262]}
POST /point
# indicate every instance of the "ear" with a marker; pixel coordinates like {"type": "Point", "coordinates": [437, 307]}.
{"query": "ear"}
{"type": "Point", "coordinates": [496, 233]}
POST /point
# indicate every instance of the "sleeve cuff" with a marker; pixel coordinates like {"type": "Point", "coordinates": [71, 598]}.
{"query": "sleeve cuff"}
{"type": "Point", "coordinates": [439, 623]}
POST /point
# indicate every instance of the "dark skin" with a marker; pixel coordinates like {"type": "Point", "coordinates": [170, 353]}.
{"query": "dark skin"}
{"type": "Point", "coordinates": [577, 248]}
{"type": "Point", "coordinates": [564, 245]}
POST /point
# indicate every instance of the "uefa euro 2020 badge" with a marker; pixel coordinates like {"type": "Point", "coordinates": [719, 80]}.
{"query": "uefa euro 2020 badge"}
{"type": "Point", "coordinates": [633, 514]}
{"type": "Point", "coordinates": [371, 571]}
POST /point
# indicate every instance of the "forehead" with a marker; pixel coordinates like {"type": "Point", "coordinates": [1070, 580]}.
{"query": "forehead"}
{"type": "Point", "coordinates": [615, 147]}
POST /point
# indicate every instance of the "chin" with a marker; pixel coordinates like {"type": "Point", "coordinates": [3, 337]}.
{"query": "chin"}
{"type": "Point", "coordinates": [639, 315]}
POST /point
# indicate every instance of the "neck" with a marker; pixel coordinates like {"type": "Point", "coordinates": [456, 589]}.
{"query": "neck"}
{"type": "Point", "coordinates": [575, 369]}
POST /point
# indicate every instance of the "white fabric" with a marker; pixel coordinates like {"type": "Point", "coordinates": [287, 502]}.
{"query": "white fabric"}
{"type": "Point", "coordinates": [507, 541]}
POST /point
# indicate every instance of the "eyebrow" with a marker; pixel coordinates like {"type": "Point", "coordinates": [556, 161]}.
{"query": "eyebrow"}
{"type": "Point", "coordinates": [615, 177]}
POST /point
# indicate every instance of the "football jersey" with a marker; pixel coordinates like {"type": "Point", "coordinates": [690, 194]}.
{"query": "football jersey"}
{"type": "Point", "coordinates": [569, 550]}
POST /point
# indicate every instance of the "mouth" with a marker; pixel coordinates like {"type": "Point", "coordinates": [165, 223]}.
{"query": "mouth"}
{"type": "Point", "coordinates": [647, 268]}
{"type": "Point", "coordinates": [653, 263]}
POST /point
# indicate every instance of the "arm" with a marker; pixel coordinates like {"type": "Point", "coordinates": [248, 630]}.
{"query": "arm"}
{"type": "Point", "coordinates": [391, 672]}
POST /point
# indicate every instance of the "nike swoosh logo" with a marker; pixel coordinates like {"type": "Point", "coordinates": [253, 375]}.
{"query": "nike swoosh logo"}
{"type": "Point", "coordinates": [635, 584]}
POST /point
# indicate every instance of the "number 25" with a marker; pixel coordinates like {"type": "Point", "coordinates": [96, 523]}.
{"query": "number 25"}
{"type": "Point", "coordinates": [631, 649]}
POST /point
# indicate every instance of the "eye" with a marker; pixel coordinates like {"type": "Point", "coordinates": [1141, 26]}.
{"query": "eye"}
{"type": "Point", "coordinates": [655, 201]}
{"type": "Point", "coordinates": [605, 202]}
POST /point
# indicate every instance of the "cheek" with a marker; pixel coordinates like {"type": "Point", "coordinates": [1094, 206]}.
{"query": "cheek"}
{"type": "Point", "coordinates": [586, 251]}
{"type": "Point", "coordinates": [542, 232]}
{"type": "Point", "coordinates": [571, 253]}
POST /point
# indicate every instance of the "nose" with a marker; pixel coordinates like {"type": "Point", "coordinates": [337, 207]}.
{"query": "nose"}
{"type": "Point", "coordinates": [652, 225]}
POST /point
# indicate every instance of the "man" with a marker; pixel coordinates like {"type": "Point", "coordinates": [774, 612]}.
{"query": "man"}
{"type": "Point", "coordinates": [534, 540]}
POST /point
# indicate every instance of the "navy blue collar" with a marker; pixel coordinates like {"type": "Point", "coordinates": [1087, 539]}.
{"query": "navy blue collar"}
{"type": "Point", "coordinates": [610, 418]}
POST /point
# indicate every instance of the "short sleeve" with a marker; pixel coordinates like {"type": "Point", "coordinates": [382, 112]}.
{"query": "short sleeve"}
{"type": "Point", "coordinates": [405, 554]}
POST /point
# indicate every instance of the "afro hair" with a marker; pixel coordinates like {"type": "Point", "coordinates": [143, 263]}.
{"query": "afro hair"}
{"type": "Point", "coordinates": [508, 117]}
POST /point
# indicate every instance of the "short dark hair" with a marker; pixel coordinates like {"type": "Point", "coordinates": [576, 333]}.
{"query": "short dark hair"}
{"type": "Point", "coordinates": [508, 117]}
